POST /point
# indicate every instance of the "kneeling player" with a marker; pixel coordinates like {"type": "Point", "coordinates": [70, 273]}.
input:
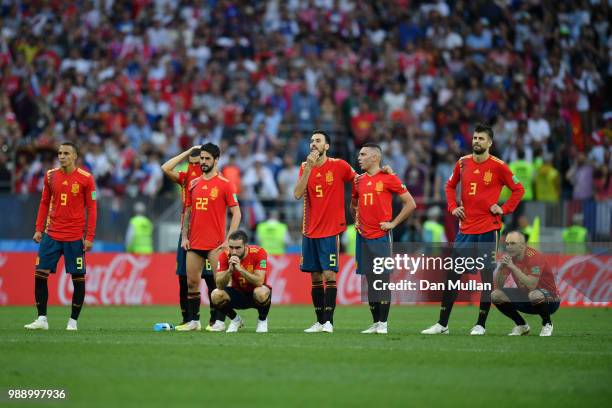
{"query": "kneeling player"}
{"type": "Point", "coordinates": [241, 282]}
{"type": "Point", "coordinates": [536, 292]}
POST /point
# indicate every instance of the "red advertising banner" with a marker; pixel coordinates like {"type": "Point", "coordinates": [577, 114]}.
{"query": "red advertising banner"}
{"type": "Point", "coordinates": [125, 279]}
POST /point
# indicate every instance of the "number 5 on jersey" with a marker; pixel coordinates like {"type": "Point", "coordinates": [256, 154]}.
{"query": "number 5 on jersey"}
{"type": "Point", "coordinates": [319, 190]}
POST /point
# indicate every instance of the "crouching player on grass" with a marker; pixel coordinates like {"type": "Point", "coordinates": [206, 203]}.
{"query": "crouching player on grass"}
{"type": "Point", "coordinates": [241, 282]}
{"type": "Point", "coordinates": [536, 292]}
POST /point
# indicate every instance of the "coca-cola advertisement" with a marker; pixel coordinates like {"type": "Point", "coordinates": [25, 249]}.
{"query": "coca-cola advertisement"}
{"type": "Point", "coordinates": [125, 279]}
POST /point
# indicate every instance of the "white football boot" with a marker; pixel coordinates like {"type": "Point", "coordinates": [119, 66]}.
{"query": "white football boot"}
{"type": "Point", "coordinates": [39, 324]}
{"type": "Point", "coordinates": [262, 326]}
{"type": "Point", "coordinates": [372, 329]}
{"type": "Point", "coordinates": [477, 330]}
{"type": "Point", "coordinates": [547, 330]}
{"type": "Point", "coordinates": [315, 328]}
{"type": "Point", "coordinates": [235, 324]}
{"type": "Point", "coordinates": [520, 330]}
{"type": "Point", "coordinates": [436, 329]}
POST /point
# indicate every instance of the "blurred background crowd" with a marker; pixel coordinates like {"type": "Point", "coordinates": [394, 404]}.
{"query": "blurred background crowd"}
{"type": "Point", "coordinates": [134, 83]}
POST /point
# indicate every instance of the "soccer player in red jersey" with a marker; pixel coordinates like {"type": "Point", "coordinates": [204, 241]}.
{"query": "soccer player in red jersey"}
{"type": "Point", "coordinates": [65, 225]}
{"type": "Point", "coordinates": [203, 236]}
{"type": "Point", "coordinates": [241, 282]}
{"type": "Point", "coordinates": [321, 183]}
{"type": "Point", "coordinates": [372, 200]}
{"type": "Point", "coordinates": [535, 292]}
{"type": "Point", "coordinates": [183, 179]}
{"type": "Point", "coordinates": [482, 178]}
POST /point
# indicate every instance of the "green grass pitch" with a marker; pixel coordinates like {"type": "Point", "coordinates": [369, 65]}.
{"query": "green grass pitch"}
{"type": "Point", "coordinates": [116, 360]}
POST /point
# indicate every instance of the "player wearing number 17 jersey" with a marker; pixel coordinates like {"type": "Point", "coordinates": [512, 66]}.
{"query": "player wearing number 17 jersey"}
{"type": "Point", "coordinates": [482, 178]}
{"type": "Point", "coordinates": [372, 202]}
{"type": "Point", "coordinates": [203, 235]}
{"type": "Point", "coordinates": [66, 225]}
{"type": "Point", "coordinates": [321, 183]}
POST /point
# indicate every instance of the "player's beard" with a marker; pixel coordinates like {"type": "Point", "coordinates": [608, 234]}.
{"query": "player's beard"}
{"type": "Point", "coordinates": [206, 169]}
{"type": "Point", "coordinates": [478, 149]}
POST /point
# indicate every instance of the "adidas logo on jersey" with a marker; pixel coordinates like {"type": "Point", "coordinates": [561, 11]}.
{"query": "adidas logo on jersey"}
{"type": "Point", "coordinates": [369, 183]}
{"type": "Point", "coordinates": [65, 183]}
{"type": "Point", "coordinates": [318, 175]}
{"type": "Point", "coordinates": [476, 171]}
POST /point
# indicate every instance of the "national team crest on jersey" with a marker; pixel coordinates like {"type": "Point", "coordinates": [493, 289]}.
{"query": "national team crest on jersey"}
{"type": "Point", "coordinates": [329, 177]}
{"type": "Point", "coordinates": [214, 193]}
{"type": "Point", "coordinates": [488, 177]}
{"type": "Point", "coordinates": [379, 187]}
{"type": "Point", "coordinates": [75, 188]}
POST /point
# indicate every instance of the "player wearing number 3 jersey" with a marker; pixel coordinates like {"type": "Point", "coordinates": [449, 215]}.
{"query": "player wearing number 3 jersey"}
{"type": "Point", "coordinates": [482, 177]}
{"type": "Point", "coordinates": [66, 225]}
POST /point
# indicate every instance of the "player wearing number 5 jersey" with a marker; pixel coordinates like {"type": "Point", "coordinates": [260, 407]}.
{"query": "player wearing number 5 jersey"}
{"type": "Point", "coordinates": [482, 178]}
{"type": "Point", "coordinates": [321, 183]}
{"type": "Point", "coordinates": [372, 200]}
{"type": "Point", "coordinates": [203, 236]}
{"type": "Point", "coordinates": [65, 225]}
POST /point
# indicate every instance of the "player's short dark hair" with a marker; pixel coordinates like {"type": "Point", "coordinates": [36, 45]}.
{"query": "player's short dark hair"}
{"type": "Point", "coordinates": [74, 147]}
{"type": "Point", "coordinates": [325, 135]}
{"type": "Point", "coordinates": [239, 235]}
{"type": "Point", "coordinates": [373, 146]}
{"type": "Point", "coordinates": [195, 152]}
{"type": "Point", "coordinates": [482, 128]}
{"type": "Point", "coordinates": [211, 148]}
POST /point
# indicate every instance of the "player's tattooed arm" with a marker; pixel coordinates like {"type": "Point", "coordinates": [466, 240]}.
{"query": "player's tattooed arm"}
{"type": "Point", "coordinates": [354, 203]}
{"type": "Point", "coordinates": [185, 237]}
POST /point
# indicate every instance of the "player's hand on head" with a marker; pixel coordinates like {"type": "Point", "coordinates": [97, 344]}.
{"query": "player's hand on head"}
{"type": "Point", "coordinates": [459, 212]}
{"type": "Point", "coordinates": [37, 237]}
{"type": "Point", "coordinates": [87, 245]}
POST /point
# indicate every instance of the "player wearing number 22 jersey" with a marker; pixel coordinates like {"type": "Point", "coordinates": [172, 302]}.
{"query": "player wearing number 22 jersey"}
{"type": "Point", "coordinates": [209, 200]}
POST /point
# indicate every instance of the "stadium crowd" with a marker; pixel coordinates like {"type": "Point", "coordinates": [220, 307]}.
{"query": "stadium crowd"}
{"type": "Point", "coordinates": [136, 82]}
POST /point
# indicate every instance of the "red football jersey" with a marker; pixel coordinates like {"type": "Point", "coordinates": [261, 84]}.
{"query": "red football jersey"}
{"type": "Point", "coordinates": [66, 198]}
{"type": "Point", "coordinates": [374, 196]}
{"type": "Point", "coordinates": [324, 198]}
{"type": "Point", "coordinates": [256, 259]}
{"type": "Point", "coordinates": [209, 201]}
{"type": "Point", "coordinates": [534, 264]}
{"type": "Point", "coordinates": [481, 184]}
{"type": "Point", "coordinates": [185, 177]}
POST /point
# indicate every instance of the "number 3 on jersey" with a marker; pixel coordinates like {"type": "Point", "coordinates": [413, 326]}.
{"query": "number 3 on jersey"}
{"type": "Point", "coordinates": [472, 189]}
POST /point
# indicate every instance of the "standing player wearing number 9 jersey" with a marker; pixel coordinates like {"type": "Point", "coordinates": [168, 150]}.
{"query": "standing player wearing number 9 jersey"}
{"type": "Point", "coordinates": [321, 183]}
{"type": "Point", "coordinates": [65, 225]}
